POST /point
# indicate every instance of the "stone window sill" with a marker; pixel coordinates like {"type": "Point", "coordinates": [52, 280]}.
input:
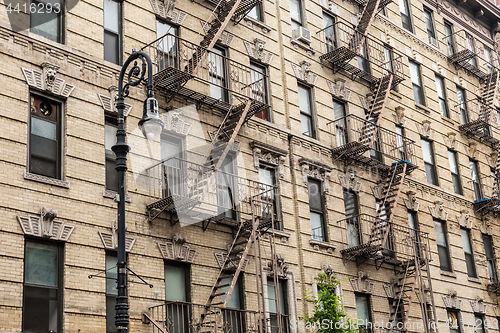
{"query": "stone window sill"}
{"type": "Point", "coordinates": [253, 22]}
{"type": "Point", "coordinates": [423, 107]}
{"type": "Point", "coordinates": [284, 236]}
{"type": "Point", "coordinates": [110, 194]}
{"type": "Point", "coordinates": [450, 274]}
{"type": "Point", "coordinates": [297, 43]}
{"type": "Point", "coordinates": [448, 120]}
{"type": "Point", "coordinates": [475, 280]}
{"type": "Point", "coordinates": [396, 94]}
{"type": "Point", "coordinates": [46, 180]}
{"type": "Point", "coordinates": [317, 245]}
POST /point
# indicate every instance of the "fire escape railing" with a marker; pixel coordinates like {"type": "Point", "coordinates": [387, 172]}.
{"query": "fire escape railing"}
{"type": "Point", "coordinates": [372, 237]}
{"type": "Point", "coordinates": [486, 196]}
{"type": "Point", "coordinates": [352, 136]}
{"type": "Point", "coordinates": [181, 317]}
{"type": "Point", "coordinates": [176, 61]}
{"type": "Point", "coordinates": [479, 120]}
{"type": "Point", "coordinates": [462, 52]}
{"type": "Point", "coordinates": [338, 43]}
{"type": "Point", "coordinates": [178, 185]}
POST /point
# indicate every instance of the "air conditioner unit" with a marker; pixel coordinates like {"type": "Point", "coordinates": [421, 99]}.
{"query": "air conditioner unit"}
{"type": "Point", "coordinates": [433, 41]}
{"type": "Point", "coordinates": [302, 34]}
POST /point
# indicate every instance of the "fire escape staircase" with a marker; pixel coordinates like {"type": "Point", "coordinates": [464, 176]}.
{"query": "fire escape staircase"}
{"type": "Point", "coordinates": [413, 280]}
{"type": "Point", "coordinates": [236, 257]}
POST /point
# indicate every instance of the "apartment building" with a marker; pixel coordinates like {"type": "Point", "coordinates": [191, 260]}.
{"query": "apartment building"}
{"type": "Point", "coordinates": [354, 137]}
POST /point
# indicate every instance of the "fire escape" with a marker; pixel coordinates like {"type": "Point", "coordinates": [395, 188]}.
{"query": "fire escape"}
{"type": "Point", "coordinates": [195, 190]}
{"type": "Point", "coordinates": [478, 115]}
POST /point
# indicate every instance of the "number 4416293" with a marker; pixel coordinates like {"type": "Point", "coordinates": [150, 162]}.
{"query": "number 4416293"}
{"type": "Point", "coordinates": [34, 8]}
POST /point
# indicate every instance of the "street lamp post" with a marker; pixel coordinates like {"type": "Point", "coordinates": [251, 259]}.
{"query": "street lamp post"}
{"type": "Point", "coordinates": [151, 126]}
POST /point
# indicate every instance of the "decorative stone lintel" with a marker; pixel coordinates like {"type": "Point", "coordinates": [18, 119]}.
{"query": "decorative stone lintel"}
{"type": "Point", "coordinates": [110, 239]}
{"type": "Point", "coordinates": [437, 211]}
{"type": "Point", "coordinates": [348, 181]}
{"type": "Point", "coordinates": [399, 115]}
{"type": "Point", "coordinates": [378, 191]}
{"type": "Point", "coordinates": [451, 301]}
{"type": "Point", "coordinates": [256, 51]}
{"type": "Point", "coordinates": [265, 153]}
{"type": "Point", "coordinates": [109, 102]}
{"type": "Point", "coordinates": [478, 305]}
{"type": "Point", "coordinates": [362, 283]}
{"type": "Point", "coordinates": [47, 80]}
{"type": "Point", "coordinates": [411, 202]}
{"type": "Point", "coordinates": [225, 38]}
{"type": "Point", "coordinates": [281, 266]}
{"type": "Point", "coordinates": [46, 180]}
{"type": "Point", "coordinates": [317, 245]}
{"type": "Point", "coordinates": [174, 123]}
{"type": "Point", "coordinates": [230, 264]}
{"type": "Point", "coordinates": [425, 130]}
{"type": "Point", "coordinates": [110, 194]}
{"type": "Point", "coordinates": [166, 10]}
{"type": "Point", "coordinates": [45, 225]}
{"type": "Point", "coordinates": [450, 140]}
{"type": "Point", "coordinates": [464, 219]}
{"type": "Point", "coordinates": [339, 90]}
{"type": "Point", "coordinates": [303, 72]}
{"type": "Point", "coordinates": [176, 249]}
{"type": "Point", "coordinates": [319, 171]}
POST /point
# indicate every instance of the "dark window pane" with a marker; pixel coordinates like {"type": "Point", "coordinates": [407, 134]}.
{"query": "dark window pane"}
{"type": "Point", "coordinates": [40, 309]}
{"type": "Point", "coordinates": [46, 24]}
{"type": "Point", "coordinates": [444, 261]}
{"type": "Point", "coordinates": [175, 283]}
{"type": "Point", "coordinates": [110, 314]}
{"type": "Point", "coordinates": [111, 274]}
{"type": "Point", "coordinates": [111, 47]}
{"type": "Point", "coordinates": [315, 197]}
{"type": "Point", "coordinates": [112, 16]}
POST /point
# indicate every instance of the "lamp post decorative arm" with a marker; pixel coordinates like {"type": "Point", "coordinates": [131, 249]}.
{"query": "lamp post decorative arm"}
{"type": "Point", "coordinates": [134, 77]}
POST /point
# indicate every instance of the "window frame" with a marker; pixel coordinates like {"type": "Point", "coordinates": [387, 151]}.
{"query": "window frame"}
{"type": "Point", "coordinates": [419, 95]}
{"type": "Point", "coordinates": [477, 187]}
{"type": "Point", "coordinates": [187, 277]}
{"type": "Point", "coordinates": [481, 318]}
{"type": "Point", "coordinates": [321, 213]}
{"type": "Point", "coordinates": [265, 70]}
{"type": "Point", "coordinates": [59, 163]}
{"type": "Point", "coordinates": [464, 113]}
{"type": "Point", "coordinates": [459, 320]}
{"type": "Point", "coordinates": [442, 100]}
{"type": "Point", "coordinates": [469, 257]}
{"type": "Point", "coordinates": [282, 292]}
{"type": "Point", "coordinates": [409, 25]}
{"type": "Point", "coordinates": [450, 39]}
{"type": "Point", "coordinates": [310, 116]}
{"type": "Point", "coordinates": [401, 145]}
{"type": "Point", "coordinates": [492, 271]}
{"type": "Point", "coordinates": [431, 33]}
{"type": "Point", "coordinates": [432, 166]}
{"type": "Point", "coordinates": [118, 34]}
{"type": "Point", "coordinates": [61, 25]}
{"type": "Point", "coordinates": [455, 176]}
{"type": "Point", "coordinates": [364, 328]}
{"type": "Point", "coordinates": [294, 23]}
{"type": "Point", "coordinates": [277, 204]}
{"type": "Point", "coordinates": [60, 280]}
{"type": "Point", "coordinates": [108, 295]}
{"type": "Point", "coordinates": [109, 155]}
{"type": "Point", "coordinates": [446, 247]}
{"type": "Point", "coordinates": [352, 220]}
{"type": "Point", "coordinates": [259, 10]}
{"type": "Point", "coordinates": [224, 87]}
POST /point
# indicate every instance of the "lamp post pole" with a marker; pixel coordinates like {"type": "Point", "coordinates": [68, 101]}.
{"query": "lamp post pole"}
{"type": "Point", "coordinates": [150, 117]}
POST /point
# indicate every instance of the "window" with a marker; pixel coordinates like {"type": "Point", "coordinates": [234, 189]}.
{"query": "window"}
{"type": "Point", "coordinates": [429, 24]}
{"type": "Point", "coordinates": [414, 234]}
{"type": "Point", "coordinates": [479, 321]}
{"type": "Point", "coordinates": [110, 129]}
{"type": "Point", "coordinates": [306, 111]}
{"type": "Point", "coordinates": [232, 318]}
{"type": "Point", "coordinates": [296, 13]}
{"type": "Point", "coordinates": [352, 216]}
{"type": "Point", "coordinates": [217, 74]}
{"type": "Point", "coordinates": [42, 295]}
{"type": "Point", "coordinates": [441, 91]}
{"type": "Point", "coordinates": [487, 58]}
{"type": "Point", "coordinates": [413, 219]}
{"type": "Point", "coordinates": [442, 245]}
{"type": "Point", "coordinates": [330, 40]}
{"type": "Point", "coordinates": [416, 81]}
{"type": "Point", "coordinates": [177, 290]}
{"type": "Point", "coordinates": [166, 46]}
{"type": "Point", "coordinates": [363, 62]}
{"type": "Point", "coordinates": [227, 189]}
{"type": "Point", "coordinates": [277, 301]}
{"type": "Point", "coordinates": [45, 24]}
{"type": "Point", "coordinates": [171, 152]}
{"type": "Point", "coordinates": [258, 75]}
{"type": "Point", "coordinates": [112, 31]}
{"type": "Point", "coordinates": [267, 176]}
{"type": "Point", "coordinates": [455, 174]}
{"type": "Point", "coordinates": [476, 182]}
{"type": "Point", "coordinates": [363, 312]}
{"type": "Point", "coordinates": [316, 210]}
{"type": "Point", "coordinates": [490, 258]}
{"type": "Point", "coordinates": [45, 144]}
{"type": "Point", "coordinates": [341, 133]}
{"type": "Point", "coordinates": [471, 48]}
{"type": "Point", "coordinates": [430, 165]}
{"type": "Point", "coordinates": [256, 12]}
{"type": "Point", "coordinates": [464, 115]}
{"type": "Point", "coordinates": [453, 322]}
{"type": "Point", "coordinates": [404, 9]}
{"type": "Point", "coordinates": [111, 291]}
{"type": "Point", "coordinates": [469, 255]}
{"type": "Point", "coordinates": [400, 134]}
{"type": "Point", "coordinates": [450, 39]}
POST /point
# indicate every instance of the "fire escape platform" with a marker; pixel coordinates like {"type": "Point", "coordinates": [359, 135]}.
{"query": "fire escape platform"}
{"type": "Point", "coordinates": [485, 205]}
{"type": "Point", "coordinates": [242, 10]}
{"type": "Point", "coordinates": [493, 287]}
{"type": "Point", "coordinates": [479, 129]}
